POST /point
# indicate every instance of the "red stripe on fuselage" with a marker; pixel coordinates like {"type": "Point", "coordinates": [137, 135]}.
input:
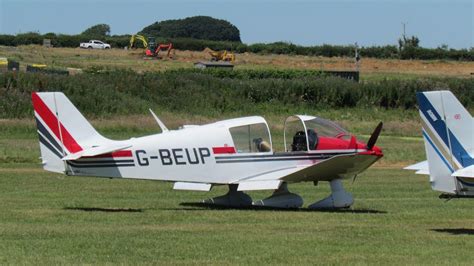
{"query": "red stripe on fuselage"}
{"type": "Point", "coordinates": [52, 122]}
{"type": "Point", "coordinates": [116, 154]}
{"type": "Point", "coordinates": [223, 150]}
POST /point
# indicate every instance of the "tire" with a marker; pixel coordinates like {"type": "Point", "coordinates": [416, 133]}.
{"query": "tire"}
{"type": "Point", "coordinates": [89, 47]}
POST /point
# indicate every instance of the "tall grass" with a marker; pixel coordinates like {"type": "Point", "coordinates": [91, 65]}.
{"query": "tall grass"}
{"type": "Point", "coordinates": [214, 93]}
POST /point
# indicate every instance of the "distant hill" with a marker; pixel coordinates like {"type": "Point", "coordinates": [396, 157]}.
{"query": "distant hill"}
{"type": "Point", "coordinates": [199, 27]}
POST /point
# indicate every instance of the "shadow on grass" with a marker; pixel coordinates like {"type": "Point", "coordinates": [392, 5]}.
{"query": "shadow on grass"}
{"type": "Point", "coordinates": [455, 231]}
{"type": "Point", "coordinates": [260, 208]}
{"type": "Point", "coordinates": [95, 209]}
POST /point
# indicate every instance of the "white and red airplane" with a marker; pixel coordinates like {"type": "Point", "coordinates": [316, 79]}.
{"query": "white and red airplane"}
{"type": "Point", "coordinates": [235, 152]}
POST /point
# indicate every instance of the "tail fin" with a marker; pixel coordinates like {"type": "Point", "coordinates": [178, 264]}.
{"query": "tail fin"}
{"type": "Point", "coordinates": [62, 129]}
{"type": "Point", "coordinates": [448, 131]}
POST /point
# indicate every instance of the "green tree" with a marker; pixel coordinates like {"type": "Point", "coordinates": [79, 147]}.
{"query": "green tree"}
{"type": "Point", "coordinates": [409, 48]}
{"type": "Point", "coordinates": [99, 30]}
{"type": "Point", "coordinates": [405, 42]}
{"type": "Point", "coordinates": [199, 27]}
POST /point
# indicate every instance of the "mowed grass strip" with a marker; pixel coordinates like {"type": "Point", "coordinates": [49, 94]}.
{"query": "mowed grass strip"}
{"type": "Point", "coordinates": [47, 218]}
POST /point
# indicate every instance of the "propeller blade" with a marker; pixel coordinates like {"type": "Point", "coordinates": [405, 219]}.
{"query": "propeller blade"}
{"type": "Point", "coordinates": [374, 136]}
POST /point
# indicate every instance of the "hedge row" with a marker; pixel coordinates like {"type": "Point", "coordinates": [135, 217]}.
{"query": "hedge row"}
{"type": "Point", "coordinates": [388, 51]}
{"type": "Point", "coordinates": [125, 92]}
{"type": "Point", "coordinates": [60, 40]}
{"type": "Point", "coordinates": [253, 73]}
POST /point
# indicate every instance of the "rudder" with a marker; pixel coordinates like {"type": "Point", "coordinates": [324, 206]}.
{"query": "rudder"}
{"type": "Point", "coordinates": [447, 131]}
{"type": "Point", "coordinates": [61, 128]}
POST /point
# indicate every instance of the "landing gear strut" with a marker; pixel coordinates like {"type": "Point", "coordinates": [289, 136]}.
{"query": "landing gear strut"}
{"type": "Point", "coordinates": [339, 198]}
{"type": "Point", "coordinates": [281, 198]}
{"type": "Point", "coordinates": [233, 198]}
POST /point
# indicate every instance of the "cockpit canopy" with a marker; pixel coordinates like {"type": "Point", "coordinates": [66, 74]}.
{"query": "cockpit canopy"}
{"type": "Point", "coordinates": [302, 132]}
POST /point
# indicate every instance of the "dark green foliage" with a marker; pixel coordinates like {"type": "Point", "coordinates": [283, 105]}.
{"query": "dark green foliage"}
{"type": "Point", "coordinates": [199, 27]}
{"type": "Point", "coordinates": [216, 92]}
{"type": "Point", "coordinates": [28, 38]}
{"type": "Point", "coordinates": [99, 31]}
{"type": "Point", "coordinates": [8, 40]}
{"type": "Point", "coordinates": [253, 73]}
{"type": "Point", "coordinates": [119, 41]}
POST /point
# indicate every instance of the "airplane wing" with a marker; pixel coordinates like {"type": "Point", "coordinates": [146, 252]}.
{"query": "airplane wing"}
{"type": "Point", "coordinates": [95, 151]}
{"type": "Point", "coordinates": [421, 168]}
{"type": "Point", "coordinates": [340, 166]}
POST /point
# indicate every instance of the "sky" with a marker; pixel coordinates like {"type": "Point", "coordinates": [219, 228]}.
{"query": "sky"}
{"type": "Point", "coordinates": [304, 22]}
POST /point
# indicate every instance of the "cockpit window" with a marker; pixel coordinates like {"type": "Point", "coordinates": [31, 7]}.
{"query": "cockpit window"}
{"type": "Point", "coordinates": [251, 138]}
{"type": "Point", "coordinates": [325, 128]}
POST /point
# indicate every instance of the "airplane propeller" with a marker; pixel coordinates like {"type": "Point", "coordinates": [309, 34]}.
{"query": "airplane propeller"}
{"type": "Point", "coordinates": [375, 135]}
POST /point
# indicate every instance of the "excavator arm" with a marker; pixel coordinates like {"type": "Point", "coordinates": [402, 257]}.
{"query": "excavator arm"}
{"type": "Point", "coordinates": [138, 37]}
{"type": "Point", "coordinates": [220, 55]}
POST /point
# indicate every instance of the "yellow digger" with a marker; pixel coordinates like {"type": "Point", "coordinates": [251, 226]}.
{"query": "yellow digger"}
{"type": "Point", "coordinates": [138, 37]}
{"type": "Point", "coordinates": [220, 55]}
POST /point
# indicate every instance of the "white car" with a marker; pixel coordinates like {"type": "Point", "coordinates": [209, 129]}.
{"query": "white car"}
{"type": "Point", "coordinates": [94, 44]}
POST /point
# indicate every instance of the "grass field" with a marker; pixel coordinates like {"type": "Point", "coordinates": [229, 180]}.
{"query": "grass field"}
{"type": "Point", "coordinates": [51, 219]}
{"type": "Point", "coordinates": [370, 68]}
{"type": "Point", "coordinates": [47, 218]}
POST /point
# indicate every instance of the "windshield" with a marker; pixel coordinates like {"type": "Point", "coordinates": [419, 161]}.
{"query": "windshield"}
{"type": "Point", "coordinates": [325, 128]}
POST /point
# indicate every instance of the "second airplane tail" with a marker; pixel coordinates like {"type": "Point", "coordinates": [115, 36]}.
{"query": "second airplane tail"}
{"type": "Point", "coordinates": [448, 131]}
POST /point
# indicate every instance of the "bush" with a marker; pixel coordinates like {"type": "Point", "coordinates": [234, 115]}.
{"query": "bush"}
{"type": "Point", "coordinates": [28, 38]}
{"type": "Point", "coordinates": [7, 40]}
{"type": "Point", "coordinates": [217, 92]}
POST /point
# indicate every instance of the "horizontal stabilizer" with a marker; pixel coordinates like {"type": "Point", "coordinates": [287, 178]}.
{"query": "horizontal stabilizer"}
{"type": "Point", "coordinates": [95, 151]}
{"type": "Point", "coordinates": [465, 172]}
{"type": "Point", "coordinates": [421, 168]}
{"type": "Point", "coordinates": [422, 172]}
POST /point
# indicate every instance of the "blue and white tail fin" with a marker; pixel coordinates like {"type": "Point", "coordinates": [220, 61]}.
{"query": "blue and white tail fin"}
{"type": "Point", "coordinates": [448, 132]}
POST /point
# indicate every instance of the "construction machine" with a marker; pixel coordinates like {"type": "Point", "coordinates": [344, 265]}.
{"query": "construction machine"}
{"type": "Point", "coordinates": [152, 49]}
{"type": "Point", "coordinates": [220, 55]}
{"type": "Point", "coordinates": [138, 37]}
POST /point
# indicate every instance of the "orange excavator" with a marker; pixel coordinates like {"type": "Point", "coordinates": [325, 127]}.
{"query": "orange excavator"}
{"type": "Point", "coordinates": [153, 50]}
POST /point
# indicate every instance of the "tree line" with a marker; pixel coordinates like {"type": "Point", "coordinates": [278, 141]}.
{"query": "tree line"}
{"type": "Point", "coordinates": [121, 41]}
{"type": "Point", "coordinates": [197, 33]}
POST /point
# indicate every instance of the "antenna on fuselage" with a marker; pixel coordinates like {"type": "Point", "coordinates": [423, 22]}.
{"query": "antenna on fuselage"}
{"type": "Point", "coordinates": [160, 124]}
